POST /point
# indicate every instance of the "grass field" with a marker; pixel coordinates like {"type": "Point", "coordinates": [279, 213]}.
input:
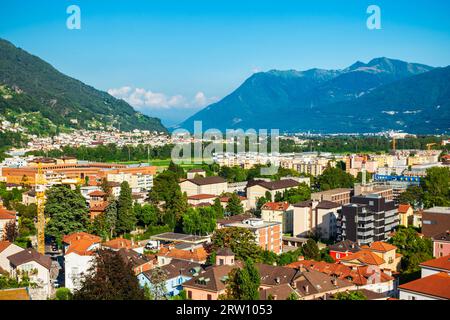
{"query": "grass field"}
{"type": "Point", "coordinates": [164, 163]}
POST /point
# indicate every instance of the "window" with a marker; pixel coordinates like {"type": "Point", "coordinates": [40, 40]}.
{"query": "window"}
{"type": "Point", "coordinates": [338, 255]}
{"type": "Point", "coordinates": [221, 262]}
{"type": "Point", "coordinates": [189, 294]}
{"type": "Point", "coordinates": [209, 297]}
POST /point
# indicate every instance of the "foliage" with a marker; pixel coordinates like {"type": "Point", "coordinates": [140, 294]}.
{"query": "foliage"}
{"type": "Point", "coordinates": [243, 284]}
{"type": "Point", "coordinates": [158, 278]}
{"type": "Point", "coordinates": [436, 186]}
{"type": "Point", "coordinates": [126, 220]}
{"type": "Point", "coordinates": [201, 221]}
{"type": "Point", "coordinates": [109, 278]}
{"type": "Point", "coordinates": [241, 241]}
{"type": "Point", "coordinates": [332, 178]}
{"type": "Point", "coordinates": [63, 294]}
{"type": "Point", "coordinates": [147, 214]}
{"type": "Point", "coordinates": [234, 205]}
{"type": "Point", "coordinates": [7, 282]}
{"type": "Point", "coordinates": [10, 232]}
{"type": "Point", "coordinates": [353, 295]}
{"type": "Point", "coordinates": [67, 211]}
{"type": "Point", "coordinates": [292, 296]}
{"type": "Point", "coordinates": [218, 209]}
{"type": "Point", "coordinates": [412, 196]}
{"type": "Point", "coordinates": [310, 250]}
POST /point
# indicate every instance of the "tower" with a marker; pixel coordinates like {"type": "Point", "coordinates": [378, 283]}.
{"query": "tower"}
{"type": "Point", "coordinates": [40, 197]}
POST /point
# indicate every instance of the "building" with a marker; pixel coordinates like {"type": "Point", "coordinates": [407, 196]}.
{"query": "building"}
{"type": "Point", "coordinates": [79, 250]}
{"type": "Point", "coordinates": [198, 199]}
{"type": "Point", "coordinates": [441, 244]}
{"type": "Point", "coordinates": [434, 266]}
{"type": "Point", "coordinates": [177, 272]}
{"type": "Point", "coordinates": [204, 185]}
{"type": "Point", "coordinates": [268, 235]}
{"type": "Point", "coordinates": [122, 243]}
{"type": "Point", "coordinates": [406, 215]}
{"type": "Point", "coordinates": [6, 216]}
{"type": "Point", "coordinates": [138, 262]}
{"type": "Point", "coordinates": [97, 203]}
{"type": "Point", "coordinates": [193, 254]}
{"type": "Point", "coordinates": [316, 218]}
{"type": "Point", "coordinates": [367, 219]}
{"type": "Point", "coordinates": [435, 221]}
{"type": "Point", "coordinates": [258, 188]}
{"type": "Point", "coordinates": [37, 266]}
{"type": "Point", "coordinates": [343, 249]}
{"type": "Point", "coordinates": [281, 212]}
{"type": "Point", "coordinates": [373, 188]}
{"type": "Point", "coordinates": [15, 294]}
{"type": "Point", "coordinates": [433, 287]}
{"type": "Point", "coordinates": [138, 181]}
{"type": "Point", "coordinates": [7, 249]}
{"type": "Point", "coordinates": [195, 173]}
{"type": "Point", "coordinates": [341, 195]}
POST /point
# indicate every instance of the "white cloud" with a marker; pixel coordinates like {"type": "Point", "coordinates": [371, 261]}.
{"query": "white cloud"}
{"type": "Point", "coordinates": [146, 99]}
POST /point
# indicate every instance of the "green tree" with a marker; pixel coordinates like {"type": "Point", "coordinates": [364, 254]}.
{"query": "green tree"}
{"type": "Point", "coordinates": [147, 214]}
{"type": "Point", "coordinates": [436, 186]}
{"type": "Point", "coordinates": [158, 278]}
{"type": "Point", "coordinates": [234, 205]}
{"type": "Point", "coordinates": [218, 209]}
{"type": "Point", "coordinates": [353, 295]}
{"type": "Point", "coordinates": [311, 250]}
{"type": "Point", "coordinates": [109, 278]}
{"type": "Point", "coordinates": [412, 196]}
{"type": "Point", "coordinates": [111, 218]}
{"type": "Point", "coordinates": [63, 294]}
{"type": "Point", "coordinates": [177, 169]}
{"type": "Point", "coordinates": [200, 221]}
{"type": "Point", "coordinates": [67, 210]}
{"type": "Point", "coordinates": [332, 178]}
{"type": "Point", "coordinates": [240, 240]}
{"type": "Point", "coordinates": [243, 284]}
{"type": "Point", "coordinates": [126, 220]}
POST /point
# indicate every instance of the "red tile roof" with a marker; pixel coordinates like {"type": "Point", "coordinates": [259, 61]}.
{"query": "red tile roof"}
{"type": "Point", "coordinates": [436, 285]}
{"type": "Point", "coordinates": [7, 214]}
{"type": "Point", "coordinates": [380, 246]}
{"type": "Point", "coordinates": [97, 193]}
{"type": "Point", "coordinates": [403, 208]}
{"type": "Point", "coordinates": [198, 254]}
{"type": "Point", "coordinates": [275, 206]}
{"type": "Point", "coordinates": [364, 257]}
{"type": "Point", "coordinates": [201, 196]}
{"type": "Point", "coordinates": [4, 245]}
{"type": "Point", "coordinates": [119, 243]}
{"type": "Point", "coordinates": [442, 263]}
{"type": "Point", "coordinates": [80, 242]}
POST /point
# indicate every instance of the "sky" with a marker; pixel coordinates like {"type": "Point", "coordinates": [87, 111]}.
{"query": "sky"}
{"type": "Point", "coordinates": [170, 58]}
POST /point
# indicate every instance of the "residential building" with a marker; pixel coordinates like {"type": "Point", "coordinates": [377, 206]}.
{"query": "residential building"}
{"type": "Point", "coordinates": [367, 219]}
{"type": "Point", "coordinates": [204, 185]}
{"type": "Point", "coordinates": [441, 244]}
{"type": "Point", "coordinates": [198, 199]}
{"type": "Point", "coordinates": [434, 266]}
{"type": "Point", "coordinates": [167, 254]}
{"type": "Point", "coordinates": [37, 266]}
{"type": "Point", "coordinates": [268, 235]}
{"type": "Point", "coordinates": [7, 249]}
{"type": "Point", "coordinates": [435, 221]}
{"type": "Point", "coordinates": [79, 250]}
{"type": "Point", "coordinates": [138, 262]}
{"type": "Point", "coordinates": [341, 196]}
{"type": "Point", "coordinates": [193, 173]}
{"type": "Point", "coordinates": [281, 212]}
{"type": "Point", "coordinates": [122, 243]}
{"type": "Point", "coordinates": [6, 216]}
{"type": "Point", "coordinates": [433, 287]}
{"type": "Point", "coordinates": [343, 249]}
{"type": "Point", "coordinates": [406, 214]}
{"type": "Point", "coordinates": [137, 181]}
{"type": "Point", "coordinates": [181, 238]}
{"type": "Point", "coordinates": [258, 188]}
{"type": "Point", "coordinates": [316, 218]}
{"type": "Point", "coordinates": [15, 294]}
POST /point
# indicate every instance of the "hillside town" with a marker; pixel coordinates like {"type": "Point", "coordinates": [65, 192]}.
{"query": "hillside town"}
{"type": "Point", "coordinates": [325, 227]}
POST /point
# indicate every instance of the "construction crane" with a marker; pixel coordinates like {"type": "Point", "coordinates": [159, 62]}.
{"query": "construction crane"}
{"type": "Point", "coordinates": [40, 184]}
{"type": "Point", "coordinates": [394, 143]}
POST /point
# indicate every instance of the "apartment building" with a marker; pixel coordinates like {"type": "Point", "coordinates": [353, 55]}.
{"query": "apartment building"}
{"type": "Point", "coordinates": [341, 196]}
{"type": "Point", "coordinates": [281, 212]}
{"type": "Point", "coordinates": [367, 219]}
{"type": "Point", "coordinates": [204, 185]}
{"type": "Point", "coordinates": [258, 188]}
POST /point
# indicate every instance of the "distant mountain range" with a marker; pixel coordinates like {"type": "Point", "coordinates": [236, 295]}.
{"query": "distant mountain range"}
{"type": "Point", "coordinates": [380, 95]}
{"type": "Point", "coordinates": [29, 85]}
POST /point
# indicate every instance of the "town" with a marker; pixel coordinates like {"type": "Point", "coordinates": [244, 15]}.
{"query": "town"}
{"type": "Point", "coordinates": [326, 226]}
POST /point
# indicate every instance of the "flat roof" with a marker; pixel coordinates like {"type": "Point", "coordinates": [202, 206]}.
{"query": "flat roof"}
{"type": "Point", "coordinates": [179, 237]}
{"type": "Point", "coordinates": [445, 210]}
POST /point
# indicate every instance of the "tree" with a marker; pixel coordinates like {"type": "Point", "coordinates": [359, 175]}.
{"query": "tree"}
{"type": "Point", "coordinates": [412, 196]}
{"type": "Point", "coordinates": [268, 196]}
{"type": "Point", "coordinates": [111, 218]}
{"type": "Point", "coordinates": [241, 241]}
{"type": "Point", "coordinates": [126, 220]}
{"type": "Point", "coordinates": [296, 195]}
{"type": "Point", "coordinates": [243, 284]}
{"type": "Point", "coordinates": [109, 278]}
{"type": "Point", "coordinates": [63, 294]}
{"type": "Point", "coordinates": [158, 278]}
{"type": "Point", "coordinates": [436, 186]}
{"type": "Point", "coordinates": [146, 214]}
{"type": "Point", "coordinates": [218, 209]}
{"type": "Point", "coordinates": [353, 295]}
{"type": "Point", "coordinates": [332, 178]}
{"type": "Point", "coordinates": [67, 210]}
{"type": "Point", "coordinates": [234, 205]}
{"type": "Point", "coordinates": [10, 232]}
{"type": "Point", "coordinates": [200, 221]}
{"type": "Point", "coordinates": [311, 250]}
{"type": "Point", "coordinates": [106, 188]}
{"type": "Point", "coordinates": [293, 296]}
{"type": "Point", "coordinates": [177, 169]}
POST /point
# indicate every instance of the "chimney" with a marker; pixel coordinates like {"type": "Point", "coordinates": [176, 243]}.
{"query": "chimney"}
{"type": "Point", "coordinates": [306, 289]}
{"type": "Point", "coordinates": [274, 297]}
{"type": "Point", "coordinates": [277, 280]}
{"type": "Point", "coordinates": [294, 285]}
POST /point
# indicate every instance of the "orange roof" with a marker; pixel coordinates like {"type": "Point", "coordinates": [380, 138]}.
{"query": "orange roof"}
{"type": "Point", "coordinates": [403, 208]}
{"type": "Point", "coordinates": [99, 206]}
{"type": "Point", "coordinates": [119, 243]}
{"type": "Point", "coordinates": [225, 199]}
{"type": "Point", "coordinates": [80, 242]}
{"type": "Point", "coordinates": [365, 257]}
{"type": "Point", "coordinates": [275, 206]}
{"type": "Point", "coordinates": [442, 263]}
{"type": "Point", "coordinates": [97, 193]}
{"type": "Point", "coordinates": [201, 196]}
{"type": "Point", "coordinates": [198, 254]}
{"type": "Point", "coordinates": [6, 214]}
{"type": "Point", "coordinates": [380, 246]}
{"type": "Point", "coordinates": [15, 294]}
{"type": "Point", "coordinates": [437, 285]}
{"type": "Point", "coordinates": [4, 245]}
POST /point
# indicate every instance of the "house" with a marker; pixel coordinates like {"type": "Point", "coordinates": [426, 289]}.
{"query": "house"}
{"type": "Point", "coordinates": [433, 287]}
{"type": "Point", "coordinates": [441, 244]}
{"type": "Point", "coordinates": [29, 197]}
{"type": "Point", "coordinates": [195, 173]}
{"type": "Point", "coordinates": [258, 188]}
{"type": "Point", "coordinates": [435, 221]}
{"type": "Point", "coordinates": [6, 216]}
{"type": "Point", "coordinates": [97, 203]}
{"type": "Point", "coordinates": [7, 249]}
{"type": "Point", "coordinates": [244, 201]}
{"type": "Point", "coordinates": [120, 243]}
{"type": "Point", "coordinates": [343, 249]}
{"type": "Point", "coordinates": [37, 266]}
{"type": "Point", "coordinates": [166, 254]}
{"type": "Point", "coordinates": [138, 262]}
{"type": "Point", "coordinates": [239, 218]}
{"type": "Point", "coordinates": [204, 185]}
{"type": "Point", "coordinates": [434, 266]}
{"type": "Point", "coordinates": [79, 250]}
{"type": "Point", "coordinates": [197, 199]}
{"type": "Point", "coordinates": [387, 252]}
{"type": "Point", "coordinates": [268, 235]}
{"type": "Point", "coordinates": [341, 196]}
{"type": "Point", "coordinates": [281, 212]}
{"type": "Point", "coordinates": [362, 277]}
{"type": "Point", "coordinates": [317, 218]}
{"type": "Point", "coordinates": [177, 272]}
{"type": "Point", "coordinates": [406, 214]}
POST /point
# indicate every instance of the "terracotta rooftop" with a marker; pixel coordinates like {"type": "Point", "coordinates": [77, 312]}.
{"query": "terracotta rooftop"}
{"type": "Point", "coordinates": [201, 196]}
{"type": "Point", "coordinates": [275, 206]}
{"type": "Point", "coordinates": [3, 245]}
{"type": "Point", "coordinates": [380, 246]}
{"type": "Point", "coordinates": [97, 193]}
{"type": "Point", "coordinates": [364, 257]}
{"type": "Point", "coordinates": [436, 285]}
{"type": "Point", "coordinates": [6, 214]}
{"type": "Point", "coordinates": [118, 243]}
{"type": "Point", "coordinates": [15, 294]}
{"type": "Point", "coordinates": [442, 263]}
{"type": "Point", "coordinates": [80, 243]}
{"type": "Point", "coordinates": [345, 246]}
{"type": "Point", "coordinates": [197, 254]}
{"type": "Point", "coordinates": [80, 235]}
{"type": "Point", "coordinates": [403, 208]}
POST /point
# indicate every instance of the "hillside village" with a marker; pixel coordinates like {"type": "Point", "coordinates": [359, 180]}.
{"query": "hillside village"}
{"type": "Point", "coordinates": [323, 228]}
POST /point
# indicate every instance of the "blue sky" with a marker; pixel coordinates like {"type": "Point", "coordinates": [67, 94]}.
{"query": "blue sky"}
{"type": "Point", "coordinates": [169, 58]}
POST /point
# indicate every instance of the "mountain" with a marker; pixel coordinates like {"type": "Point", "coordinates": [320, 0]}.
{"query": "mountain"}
{"type": "Point", "coordinates": [31, 86]}
{"type": "Point", "coordinates": [320, 100]}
